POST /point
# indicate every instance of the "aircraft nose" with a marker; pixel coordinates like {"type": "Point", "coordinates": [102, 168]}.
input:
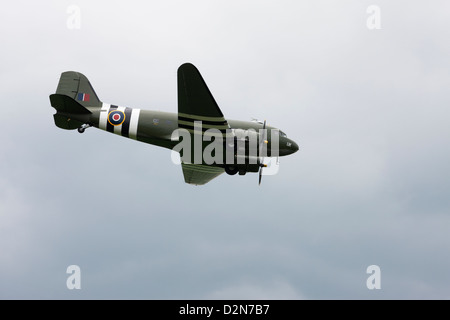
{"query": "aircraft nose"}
{"type": "Point", "coordinates": [290, 148]}
{"type": "Point", "coordinates": [294, 147]}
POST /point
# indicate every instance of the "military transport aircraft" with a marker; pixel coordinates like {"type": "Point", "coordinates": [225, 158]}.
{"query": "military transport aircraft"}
{"type": "Point", "coordinates": [78, 107]}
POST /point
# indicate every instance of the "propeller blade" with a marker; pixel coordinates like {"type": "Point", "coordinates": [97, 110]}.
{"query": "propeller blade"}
{"type": "Point", "coordinates": [264, 128]}
{"type": "Point", "coordinates": [262, 138]}
{"type": "Point", "coordinates": [261, 146]}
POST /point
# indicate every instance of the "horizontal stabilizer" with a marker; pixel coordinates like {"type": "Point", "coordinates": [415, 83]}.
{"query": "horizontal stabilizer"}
{"type": "Point", "coordinates": [70, 114]}
{"type": "Point", "coordinates": [65, 104]}
{"type": "Point", "coordinates": [65, 122]}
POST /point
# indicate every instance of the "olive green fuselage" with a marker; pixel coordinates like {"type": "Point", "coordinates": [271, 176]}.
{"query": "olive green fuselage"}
{"type": "Point", "coordinates": [157, 127]}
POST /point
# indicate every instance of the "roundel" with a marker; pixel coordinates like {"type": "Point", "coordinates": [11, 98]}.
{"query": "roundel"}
{"type": "Point", "coordinates": [116, 117]}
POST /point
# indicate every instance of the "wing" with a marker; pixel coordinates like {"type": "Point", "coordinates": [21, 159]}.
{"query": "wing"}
{"type": "Point", "coordinates": [196, 103]}
{"type": "Point", "coordinates": [199, 174]}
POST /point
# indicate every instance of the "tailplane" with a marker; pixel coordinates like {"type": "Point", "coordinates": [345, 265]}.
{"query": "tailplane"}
{"type": "Point", "coordinates": [70, 114]}
{"type": "Point", "coordinates": [74, 95]}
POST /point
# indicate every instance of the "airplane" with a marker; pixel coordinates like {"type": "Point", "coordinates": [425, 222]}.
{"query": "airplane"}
{"type": "Point", "coordinates": [78, 107]}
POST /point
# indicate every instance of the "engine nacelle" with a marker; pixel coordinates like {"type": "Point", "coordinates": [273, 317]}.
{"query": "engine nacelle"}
{"type": "Point", "coordinates": [248, 164]}
{"type": "Point", "coordinates": [243, 164]}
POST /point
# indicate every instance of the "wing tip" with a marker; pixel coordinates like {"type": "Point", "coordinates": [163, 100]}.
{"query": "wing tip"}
{"type": "Point", "coordinates": [187, 66]}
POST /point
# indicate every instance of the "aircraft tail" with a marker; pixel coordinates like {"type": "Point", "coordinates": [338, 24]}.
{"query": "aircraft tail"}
{"type": "Point", "coordinates": [73, 96]}
{"type": "Point", "coordinates": [69, 113]}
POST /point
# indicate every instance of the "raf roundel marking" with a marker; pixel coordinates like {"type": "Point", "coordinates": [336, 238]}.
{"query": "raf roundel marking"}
{"type": "Point", "coordinates": [116, 117]}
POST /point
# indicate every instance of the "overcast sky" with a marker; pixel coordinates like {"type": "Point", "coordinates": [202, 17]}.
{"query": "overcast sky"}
{"type": "Point", "coordinates": [370, 184]}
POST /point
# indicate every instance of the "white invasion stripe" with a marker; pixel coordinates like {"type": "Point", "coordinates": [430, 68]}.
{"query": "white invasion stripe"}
{"type": "Point", "coordinates": [134, 123]}
{"type": "Point", "coordinates": [103, 116]}
{"type": "Point", "coordinates": [118, 129]}
{"type": "Point", "coordinates": [199, 118]}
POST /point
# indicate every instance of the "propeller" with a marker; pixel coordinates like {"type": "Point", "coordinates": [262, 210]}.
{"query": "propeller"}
{"type": "Point", "coordinates": [261, 146]}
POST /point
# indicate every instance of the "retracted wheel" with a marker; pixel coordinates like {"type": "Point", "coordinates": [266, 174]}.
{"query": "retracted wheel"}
{"type": "Point", "coordinates": [231, 170]}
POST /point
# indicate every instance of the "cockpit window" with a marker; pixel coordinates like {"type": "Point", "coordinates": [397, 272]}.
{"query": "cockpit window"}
{"type": "Point", "coordinates": [282, 134]}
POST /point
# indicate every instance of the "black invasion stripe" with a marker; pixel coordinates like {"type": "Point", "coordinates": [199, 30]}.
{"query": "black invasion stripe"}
{"type": "Point", "coordinates": [218, 122]}
{"type": "Point", "coordinates": [185, 126]}
{"type": "Point", "coordinates": [126, 123]}
{"type": "Point", "coordinates": [109, 126]}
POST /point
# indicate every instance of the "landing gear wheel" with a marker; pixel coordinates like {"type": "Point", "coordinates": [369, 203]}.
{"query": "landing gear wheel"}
{"type": "Point", "coordinates": [231, 170]}
{"type": "Point", "coordinates": [84, 127]}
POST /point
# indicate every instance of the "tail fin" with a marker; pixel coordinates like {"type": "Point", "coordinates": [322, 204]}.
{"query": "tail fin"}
{"type": "Point", "coordinates": [73, 95]}
{"type": "Point", "coordinates": [77, 86]}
